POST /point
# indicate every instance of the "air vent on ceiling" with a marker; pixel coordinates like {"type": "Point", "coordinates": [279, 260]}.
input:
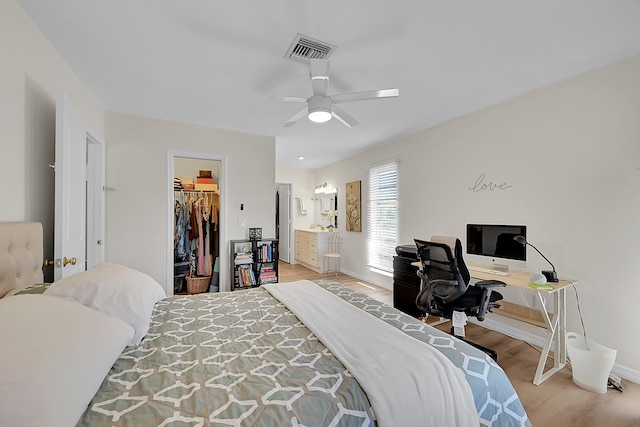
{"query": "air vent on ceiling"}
{"type": "Point", "coordinates": [305, 48]}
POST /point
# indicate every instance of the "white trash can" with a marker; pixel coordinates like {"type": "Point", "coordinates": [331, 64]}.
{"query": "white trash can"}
{"type": "Point", "coordinates": [591, 362]}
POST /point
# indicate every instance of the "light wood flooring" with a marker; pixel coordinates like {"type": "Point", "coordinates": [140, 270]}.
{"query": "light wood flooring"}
{"type": "Point", "coordinates": [556, 402]}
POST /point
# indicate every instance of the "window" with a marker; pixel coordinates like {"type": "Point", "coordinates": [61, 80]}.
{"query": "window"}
{"type": "Point", "coordinates": [382, 224]}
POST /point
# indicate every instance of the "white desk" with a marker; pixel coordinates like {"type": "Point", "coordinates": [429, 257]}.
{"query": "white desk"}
{"type": "Point", "coordinates": [555, 323]}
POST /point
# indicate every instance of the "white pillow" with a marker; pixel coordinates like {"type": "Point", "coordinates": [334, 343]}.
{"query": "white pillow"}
{"type": "Point", "coordinates": [55, 354]}
{"type": "Point", "coordinates": [115, 290]}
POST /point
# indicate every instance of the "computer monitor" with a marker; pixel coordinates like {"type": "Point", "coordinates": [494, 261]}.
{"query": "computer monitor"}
{"type": "Point", "coordinates": [495, 244]}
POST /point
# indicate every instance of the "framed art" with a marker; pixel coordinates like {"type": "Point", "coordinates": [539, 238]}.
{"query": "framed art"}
{"type": "Point", "coordinates": [353, 209]}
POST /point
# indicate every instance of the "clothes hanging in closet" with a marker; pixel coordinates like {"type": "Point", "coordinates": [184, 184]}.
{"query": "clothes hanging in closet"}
{"type": "Point", "coordinates": [195, 220]}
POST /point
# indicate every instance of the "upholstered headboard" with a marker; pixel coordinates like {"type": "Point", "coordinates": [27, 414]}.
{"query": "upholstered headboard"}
{"type": "Point", "coordinates": [21, 255]}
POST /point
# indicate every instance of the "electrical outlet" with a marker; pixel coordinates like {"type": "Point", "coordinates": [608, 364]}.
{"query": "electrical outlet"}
{"type": "Point", "coordinates": [242, 223]}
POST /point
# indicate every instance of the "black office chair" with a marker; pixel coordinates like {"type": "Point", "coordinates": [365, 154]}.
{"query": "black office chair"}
{"type": "Point", "coordinates": [445, 286]}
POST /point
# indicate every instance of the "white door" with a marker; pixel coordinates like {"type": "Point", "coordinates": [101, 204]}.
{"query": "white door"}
{"type": "Point", "coordinates": [284, 212]}
{"type": "Point", "coordinates": [70, 186]}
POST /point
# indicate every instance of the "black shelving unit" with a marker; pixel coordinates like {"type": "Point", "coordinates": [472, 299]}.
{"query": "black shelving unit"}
{"type": "Point", "coordinates": [253, 263]}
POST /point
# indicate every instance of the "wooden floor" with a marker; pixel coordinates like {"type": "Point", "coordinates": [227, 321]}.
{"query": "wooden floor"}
{"type": "Point", "coordinates": [556, 402]}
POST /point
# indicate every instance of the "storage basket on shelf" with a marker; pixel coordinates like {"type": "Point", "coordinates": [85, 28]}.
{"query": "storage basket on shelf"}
{"type": "Point", "coordinates": [197, 284]}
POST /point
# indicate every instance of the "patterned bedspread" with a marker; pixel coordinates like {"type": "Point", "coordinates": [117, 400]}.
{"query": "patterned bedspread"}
{"type": "Point", "coordinates": [495, 398]}
{"type": "Point", "coordinates": [243, 359]}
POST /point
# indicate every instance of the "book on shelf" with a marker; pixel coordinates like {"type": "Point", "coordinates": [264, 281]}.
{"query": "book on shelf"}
{"type": "Point", "coordinates": [271, 278]}
{"type": "Point", "coordinates": [267, 274]}
{"type": "Point", "coordinates": [243, 258]}
{"type": "Point", "coordinates": [265, 252]}
{"type": "Point", "coordinates": [246, 276]}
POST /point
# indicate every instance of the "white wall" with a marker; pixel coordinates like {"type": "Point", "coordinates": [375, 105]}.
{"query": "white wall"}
{"type": "Point", "coordinates": [570, 154]}
{"type": "Point", "coordinates": [31, 74]}
{"type": "Point", "coordinates": [302, 184]}
{"type": "Point", "coordinates": [137, 211]}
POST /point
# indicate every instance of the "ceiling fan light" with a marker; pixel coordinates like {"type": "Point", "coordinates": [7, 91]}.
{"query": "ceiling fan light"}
{"type": "Point", "coordinates": [319, 115]}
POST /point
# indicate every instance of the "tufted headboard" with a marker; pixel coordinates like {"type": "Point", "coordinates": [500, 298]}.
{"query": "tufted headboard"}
{"type": "Point", "coordinates": [21, 255]}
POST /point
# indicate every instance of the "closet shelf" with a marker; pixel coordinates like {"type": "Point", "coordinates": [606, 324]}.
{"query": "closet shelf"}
{"type": "Point", "coordinates": [197, 191]}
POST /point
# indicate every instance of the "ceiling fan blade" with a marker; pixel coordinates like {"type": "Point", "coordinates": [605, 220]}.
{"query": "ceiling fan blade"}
{"type": "Point", "coordinates": [343, 117]}
{"type": "Point", "coordinates": [300, 114]}
{"type": "Point", "coordinates": [287, 98]}
{"type": "Point", "coordinates": [364, 96]}
{"type": "Point", "coordinates": [319, 76]}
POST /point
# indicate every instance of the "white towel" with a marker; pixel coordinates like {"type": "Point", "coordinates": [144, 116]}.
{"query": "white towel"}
{"type": "Point", "coordinates": [301, 206]}
{"type": "Point", "coordinates": [325, 205]}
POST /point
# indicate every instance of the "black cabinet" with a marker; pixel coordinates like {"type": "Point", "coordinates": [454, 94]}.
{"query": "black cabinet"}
{"type": "Point", "coordinates": [406, 283]}
{"type": "Point", "coordinates": [253, 263]}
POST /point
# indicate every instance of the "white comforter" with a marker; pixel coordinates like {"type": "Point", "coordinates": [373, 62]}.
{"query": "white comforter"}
{"type": "Point", "coordinates": [408, 382]}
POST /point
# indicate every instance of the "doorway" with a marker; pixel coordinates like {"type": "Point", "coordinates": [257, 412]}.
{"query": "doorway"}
{"type": "Point", "coordinates": [183, 260]}
{"type": "Point", "coordinates": [283, 220]}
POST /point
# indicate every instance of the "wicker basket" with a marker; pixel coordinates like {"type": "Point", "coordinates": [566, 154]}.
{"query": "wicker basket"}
{"type": "Point", "coordinates": [198, 284]}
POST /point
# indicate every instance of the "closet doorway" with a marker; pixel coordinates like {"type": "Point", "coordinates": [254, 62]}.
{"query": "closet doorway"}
{"type": "Point", "coordinates": [196, 222]}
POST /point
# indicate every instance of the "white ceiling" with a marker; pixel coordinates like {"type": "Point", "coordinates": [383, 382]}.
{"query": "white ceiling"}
{"type": "Point", "coordinates": [216, 63]}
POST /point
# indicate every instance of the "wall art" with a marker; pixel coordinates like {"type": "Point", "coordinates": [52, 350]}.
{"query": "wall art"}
{"type": "Point", "coordinates": [353, 209]}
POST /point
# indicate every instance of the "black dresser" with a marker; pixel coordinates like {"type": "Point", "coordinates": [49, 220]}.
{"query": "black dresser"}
{"type": "Point", "coordinates": [406, 283]}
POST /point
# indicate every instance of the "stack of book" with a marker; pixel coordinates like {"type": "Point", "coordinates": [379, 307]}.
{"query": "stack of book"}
{"type": "Point", "coordinates": [267, 274]}
{"type": "Point", "coordinates": [243, 258]}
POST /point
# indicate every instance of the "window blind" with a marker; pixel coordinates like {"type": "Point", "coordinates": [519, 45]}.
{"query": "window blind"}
{"type": "Point", "coordinates": [382, 224]}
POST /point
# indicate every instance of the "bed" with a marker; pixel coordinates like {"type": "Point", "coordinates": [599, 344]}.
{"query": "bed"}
{"type": "Point", "coordinates": [108, 348]}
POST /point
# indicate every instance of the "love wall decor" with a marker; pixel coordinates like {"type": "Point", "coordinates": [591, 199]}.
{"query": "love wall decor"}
{"type": "Point", "coordinates": [482, 184]}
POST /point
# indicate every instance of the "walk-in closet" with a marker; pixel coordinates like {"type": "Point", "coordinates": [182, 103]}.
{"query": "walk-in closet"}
{"type": "Point", "coordinates": [196, 213]}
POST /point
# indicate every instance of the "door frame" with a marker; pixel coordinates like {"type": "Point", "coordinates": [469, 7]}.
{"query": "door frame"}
{"type": "Point", "coordinates": [222, 217]}
{"type": "Point", "coordinates": [290, 240]}
{"type": "Point", "coordinates": [95, 215]}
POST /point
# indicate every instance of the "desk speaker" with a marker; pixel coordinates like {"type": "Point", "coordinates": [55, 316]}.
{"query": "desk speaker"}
{"type": "Point", "coordinates": [538, 279]}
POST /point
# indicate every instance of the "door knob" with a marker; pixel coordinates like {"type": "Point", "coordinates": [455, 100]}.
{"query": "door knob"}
{"type": "Point", "coordinates": [66, 261]}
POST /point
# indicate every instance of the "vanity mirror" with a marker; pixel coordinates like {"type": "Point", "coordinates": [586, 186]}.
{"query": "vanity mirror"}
{"type": "Point", "coordinates": [326, 206]}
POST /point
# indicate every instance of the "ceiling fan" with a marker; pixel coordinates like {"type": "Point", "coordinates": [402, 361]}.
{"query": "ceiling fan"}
{"type": "Point", "coordinates": [321, 106]}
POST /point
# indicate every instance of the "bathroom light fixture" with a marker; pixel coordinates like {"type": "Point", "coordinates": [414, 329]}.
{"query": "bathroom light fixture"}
{"type": "Point", "coordinates": [321, 188]}
{"type": "Point", "coordinates": [324, 189]}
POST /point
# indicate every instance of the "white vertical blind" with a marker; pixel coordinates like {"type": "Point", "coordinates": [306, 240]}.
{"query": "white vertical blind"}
{"type": "Point", "coordinates": [382, 224]}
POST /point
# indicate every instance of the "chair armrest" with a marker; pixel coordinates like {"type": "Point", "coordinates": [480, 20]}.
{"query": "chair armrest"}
{"type": "Point", "coordinates": [489, 284]}
{"type": "Point", "coordinates": [487, 287]}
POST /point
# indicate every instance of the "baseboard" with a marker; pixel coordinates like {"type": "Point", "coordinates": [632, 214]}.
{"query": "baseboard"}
{"type": "Point", "coordinates": [367, 279]}
{"type": "Point", "coordinates": [538, 341]}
